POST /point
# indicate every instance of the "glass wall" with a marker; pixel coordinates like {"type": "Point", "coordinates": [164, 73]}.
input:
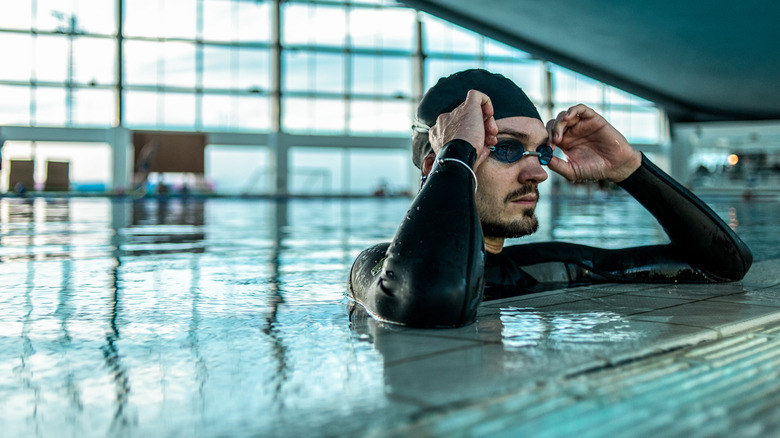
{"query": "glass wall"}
{"type": "Point", "coordinates": [346, 69]}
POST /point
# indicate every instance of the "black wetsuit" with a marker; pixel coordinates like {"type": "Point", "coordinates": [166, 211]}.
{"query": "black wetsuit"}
{"type": "Point", "coordinates": [436, 271]}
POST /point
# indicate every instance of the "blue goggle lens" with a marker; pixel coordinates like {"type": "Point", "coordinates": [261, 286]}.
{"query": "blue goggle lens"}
{"type": "Point", "coordinates": [509, 151]}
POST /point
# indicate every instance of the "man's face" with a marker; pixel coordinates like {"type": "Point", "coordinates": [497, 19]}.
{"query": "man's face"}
{"type": "Point", "coordinates": [507, 193]}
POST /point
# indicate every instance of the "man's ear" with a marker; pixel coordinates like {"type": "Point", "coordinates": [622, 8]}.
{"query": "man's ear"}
{"type": "Point", "coordinates": [428, 164]}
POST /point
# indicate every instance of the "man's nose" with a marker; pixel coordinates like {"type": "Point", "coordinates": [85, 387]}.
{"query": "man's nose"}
{"type": "Point", "coordinates": [531, 170]}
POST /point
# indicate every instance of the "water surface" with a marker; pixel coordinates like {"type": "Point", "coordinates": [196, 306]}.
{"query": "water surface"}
{"type": "Point", "coordinates": [227, 316]}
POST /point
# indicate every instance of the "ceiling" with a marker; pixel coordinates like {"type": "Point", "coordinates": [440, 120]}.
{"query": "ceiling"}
{"type": "Point", "coordinates": [700, 61]}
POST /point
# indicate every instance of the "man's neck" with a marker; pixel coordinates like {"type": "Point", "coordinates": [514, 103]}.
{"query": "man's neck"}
{"type": "Point", "coordinates": [494, 245]}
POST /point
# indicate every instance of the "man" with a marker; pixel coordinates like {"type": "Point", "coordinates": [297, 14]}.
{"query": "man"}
{"type": "Point", "coordinates": [480, 144]}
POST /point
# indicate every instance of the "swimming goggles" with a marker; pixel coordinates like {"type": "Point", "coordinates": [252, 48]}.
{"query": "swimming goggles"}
{"type": "Point", "coordinates": [509, 151]}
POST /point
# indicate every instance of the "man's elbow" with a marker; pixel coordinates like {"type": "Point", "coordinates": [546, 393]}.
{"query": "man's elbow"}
{"type": "Point", "coordinates": [732, 266]}
{"type": "Point", "coordinates": [422, 302]}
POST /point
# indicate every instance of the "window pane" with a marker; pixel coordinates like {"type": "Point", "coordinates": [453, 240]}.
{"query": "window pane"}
{"type": "Point", "coordinates": [313, 25]}
{"type": "Point", "coordinates": [372, 169]}
{"type": "Point", "coordinates": [16, 14]}
{"type": "Point", "coordinates": [253, 113]}
{"type": "Point", "coordinates": [160, 18]}
{"type": "Point", "coordinates": [14, 105]}
{"type": "Point", "coordinates": [50, 109]}
{"type": "Point", "coordinates": [295, 65]}
{"type": "Point", "coordinates": [570, 88]}
{"type": "Point", "coordinates": [308, 115]}
{"type": "Point", "coordinates": [238, 169]}
{"type": "Point", "coordinates": [160, 110]}
{"type": "Point", "coordinates": [315, 171]}
{"type": "Point", "coordinates": [444, 37]}
{"type": "Point", "coordinates": [93, 108]}
{"type": "Point", "coordinates": [218, 112]}
{"type": "Point", "coordinates": [639, 125]}
{"type": "Point", "coordinates": [236, 21]}
{"type": "Point", "coordinates": [83, 16]}
{"type": "Point", "coordinates": [141, 18]}
{"type": "Point", "coordinates": [179, 64]}
{"type": "Point", "coordinates": [389, 76]}
{"type": "Point", "coordinates": [248, 113]}
{"type": "Point", "coordinates": [96, 16]}
{"type": "Point", "coordinates": [382, 28]}
{"type": "Point", "coordinates": [380, 117]}
{"type": "Point", "coordinates": [617, 96]}
{"type": "Point", "coordinates": [94, 60]}
{"type": "Point", "coordinates": [436, 68]}
{"type": "Point", "coordinates": [254, 69]}
{"type": "Point", "coordinates": [179, 19]}
{"type": "Point", "coordinates": [527, 75]}
{"type": "Point", "coordinates": [322, 170]}
{"type": "Point", "coordinates": [52, 15]}
{"type": "Point", "coordinates": [217, 71]}
{"type": "Point", "coordinates": [231, 68]}
{"type": "Point", "coordinates": [141, 62]}
{"type": "Point", "coordinates": [310, 71]}
{"type": "Point", "coordinates": [51, 58]}
{"type": "Point", "coordinates": [20, 49]}
{"type": "Point", "coordinates": [141, 109]}
{"type": "Point", "coordinates": [497, 49]}
{"type": "Point", "coordinates": [153, 63]}
{"type": "Point", "coordinates": [178, 111]}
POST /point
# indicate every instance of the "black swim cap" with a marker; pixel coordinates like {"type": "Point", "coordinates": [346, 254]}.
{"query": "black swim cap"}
{"type": "Point", "coordinates": [507, 98]}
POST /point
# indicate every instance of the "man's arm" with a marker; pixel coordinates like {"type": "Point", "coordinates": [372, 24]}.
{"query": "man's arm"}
{"type": "Point", "coordinates": [702, 249]}
{"type": "Point", "coordinates": [595, 150]}
{"type": "Point", "coordinates": [430, 275]}
{"type": "Point", "coordinates": [697, 233]}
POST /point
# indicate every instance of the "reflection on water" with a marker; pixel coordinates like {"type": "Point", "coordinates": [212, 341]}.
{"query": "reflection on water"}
{"type": "Point", "coordinates": [227, 317]}
{"type": "Point", "coordinates": [523, 328]}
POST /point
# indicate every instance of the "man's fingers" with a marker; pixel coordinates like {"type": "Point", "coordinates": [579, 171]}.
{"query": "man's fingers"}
{"type": "Point", "coordinates": [556, 127]}
{"type": "Point", "coordinates": [580, 111]}
{"type": "Point", "coordinates": [484, 103]}
{"type": "Point", "coordinates": [567, 119]}
{"type": "Point", "coordinates": [562, 167]}
{"type": "Point", "coordinates": [550, 127]}
{"type": "Point", "coordinates": [491, 131]}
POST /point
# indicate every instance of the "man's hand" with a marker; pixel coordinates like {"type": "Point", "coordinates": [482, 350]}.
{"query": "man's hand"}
{"type": "Point", "coordinates": [471, 121]}
{"type": "Point", "coordinates": [595, 150]}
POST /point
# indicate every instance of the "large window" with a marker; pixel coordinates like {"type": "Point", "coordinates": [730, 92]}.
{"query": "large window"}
{"type": "Point", "coordinates": [346, 69]}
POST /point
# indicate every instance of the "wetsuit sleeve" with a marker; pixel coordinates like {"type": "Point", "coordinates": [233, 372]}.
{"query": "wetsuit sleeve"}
{"type": "Point", "coordinates": [431, 274]}
{"type": "Point", "coordinates": [702, 249]}
{"type": "Point", "coordinates": [696, 232]}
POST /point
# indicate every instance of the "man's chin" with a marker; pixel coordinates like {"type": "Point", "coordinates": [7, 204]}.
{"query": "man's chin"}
{"type": "Point", "coordinates": [508, 230]}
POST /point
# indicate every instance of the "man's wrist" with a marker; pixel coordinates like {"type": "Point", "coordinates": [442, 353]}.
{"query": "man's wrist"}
{"type": "Point", "coordinates": [459, 149]}
{"type": "Point", "coordinates": [628, 168]}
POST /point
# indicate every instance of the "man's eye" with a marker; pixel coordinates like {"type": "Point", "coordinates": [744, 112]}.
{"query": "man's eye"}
{"type": "Point", "coordinates": [506, 145]}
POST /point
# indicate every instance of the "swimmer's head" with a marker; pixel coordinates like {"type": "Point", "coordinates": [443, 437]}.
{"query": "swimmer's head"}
{"type": "Point", "coordinates": [507, 98]}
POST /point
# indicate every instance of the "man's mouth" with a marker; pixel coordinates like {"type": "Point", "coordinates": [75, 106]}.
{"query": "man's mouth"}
{"type": "Point", "coordinates": [527, 199]}
{"type": "Point", "coordinates": [525, 195]}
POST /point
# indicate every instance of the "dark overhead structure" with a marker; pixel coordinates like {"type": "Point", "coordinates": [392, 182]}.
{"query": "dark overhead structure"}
{"type": "Point", "coordinates": [700, 61]}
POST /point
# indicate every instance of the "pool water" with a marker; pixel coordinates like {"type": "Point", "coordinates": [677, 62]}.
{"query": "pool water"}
{"type": "Point", "coordinates": [224, 317]}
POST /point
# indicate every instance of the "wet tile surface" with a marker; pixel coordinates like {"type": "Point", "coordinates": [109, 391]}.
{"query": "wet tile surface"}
{"type": "Point", "coordinates": [530, 341]}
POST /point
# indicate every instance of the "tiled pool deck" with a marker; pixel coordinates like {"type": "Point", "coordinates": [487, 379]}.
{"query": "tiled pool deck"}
{"type": "Point", "coordinates": [611, 360]}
